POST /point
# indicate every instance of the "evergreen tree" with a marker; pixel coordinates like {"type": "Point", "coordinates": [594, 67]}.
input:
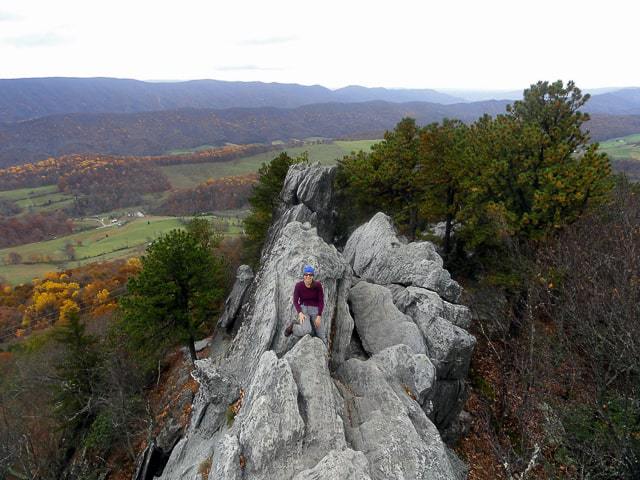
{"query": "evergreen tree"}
{"type": "Point", "coordinates": [205, 232]}
{"type": "Point", "coordinates": [385, 179]}
{"type": "Point", "coordinates": [76, 400]}
{"type": "Point", "coordinates": [178, 290]}
{"type": "Point", "coordinates": [534, 169]}
{"type": "Point", "coordinates": [444, 164]}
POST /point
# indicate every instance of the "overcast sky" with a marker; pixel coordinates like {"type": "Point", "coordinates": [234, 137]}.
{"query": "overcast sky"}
{"type": "Point", "coordinates": [474, 44]}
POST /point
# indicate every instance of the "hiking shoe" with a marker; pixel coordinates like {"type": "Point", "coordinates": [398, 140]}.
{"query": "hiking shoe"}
{"type": "Point", "coordinates": [289, 330]}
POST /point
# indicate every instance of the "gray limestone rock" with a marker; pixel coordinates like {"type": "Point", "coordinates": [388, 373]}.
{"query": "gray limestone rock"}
{"type": "Point", "coordinates": [271, 306]}
{"type": "Point", "coordinates": [270, 428]}
{"type": "Point", "coordinates": [217, 391]}
{"type": "Point", "coordinates": [296, 213]}
{"type": "Point", "coordinates": [298, 419]}
{"type": "Point", "coordinates": [388, 425]}
{"type": "Point", "coordinates": [429, 304]}
{"type": "Point", "coordinates": [232, 304]}
{"type": "Point", "coordinates": [448, 401]}
{"type": "Point", "coordinates": [414, 372]}
{"type": "Point", "coordinates": [318, 400]}
{"type": "Point", "coordinates": [226, 459]}
{"type": "Point", "coordinates": [343, 465]}
{"type": "Point", "coordinates": [450, 347]}
{"type": "Point", "coordinates": [397, 451]}
{"type": "Point", "coordinates": [379, 323]}
{"type": "Point", "coordinates": [377, 255]}
{"type": "Point", "coordinates": [311, 186]}
{"type": "Point", "coordinates": [343, 323]}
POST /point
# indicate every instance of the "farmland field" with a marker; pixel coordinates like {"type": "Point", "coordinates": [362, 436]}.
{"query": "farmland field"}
{"type": "Point", "coordinates": [97, 244]}
{"type": "Point", "coordinates": [622, 148]}
{"type": "Point", "coordinates": [190, 175]}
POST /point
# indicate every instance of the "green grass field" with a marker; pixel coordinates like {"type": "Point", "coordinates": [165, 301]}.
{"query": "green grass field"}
{"type": "Point", "coordinates": [38, 200]}
{"type": "Point", "coordinates": [28, 193]}
{"type": "Point", "coordinates": [91, 244]}
{"type": "Point", "coordinates": [190, 175]}
{"type": "Point", "coordinates": [97, 244]}
{"type": "Point", "coordinates": [622, 148]}
{"type": "Point", "coordinates": [184, 151]}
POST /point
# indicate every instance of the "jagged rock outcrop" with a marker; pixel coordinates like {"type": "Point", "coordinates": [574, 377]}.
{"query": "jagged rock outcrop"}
{"type": "Point", "coordinates": [366, 406]}
{"type": "Point", "coordinates": [232, 304]}
{"type": "Point", "coordinates": [379, 323]}
{"type": "Point", "coordinates": [378, 255]}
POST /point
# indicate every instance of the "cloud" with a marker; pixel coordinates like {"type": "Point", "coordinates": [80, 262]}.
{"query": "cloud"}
{"type": "Point", "coordinates": [234, 68]}
{"type": "Point", "coordinates": [9, 17]}
{"type": "Point", "coordinates": [47, 39]}
{"type": "Point", "coordinates": [252, 42]}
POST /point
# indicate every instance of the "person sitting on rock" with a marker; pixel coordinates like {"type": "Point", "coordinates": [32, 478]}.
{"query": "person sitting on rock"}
{"type": "Point", "coordinates": [308, 300]}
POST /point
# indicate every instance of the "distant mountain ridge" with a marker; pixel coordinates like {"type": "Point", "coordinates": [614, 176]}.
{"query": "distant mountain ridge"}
{"type": "Point", "coordinates": [153, 133]}
{"type": "Point", "coordinates": [31, 98]}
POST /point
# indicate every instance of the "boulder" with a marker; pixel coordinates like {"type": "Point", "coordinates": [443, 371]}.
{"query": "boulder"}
{"type": "Point", "coordinates": [312, 187]}
{"type": "Point", "coordinates": [450, 347]}
{"type": "Point", "coordinates": [448, 401]}
{"type": "Point", "coordinates": [343, 323]}
{"type": "Point", "coordinates": [208, 417]}
{"type": "Point", "coordinates": [429, 304]}
{"type": "Point", "coordinates": [389, 426]}
{"type": "Point", "coordinates": [379, 323]}
{"type": "Point", "coordinates": [378, 255]}
{"type": "Point", "coordinates": [297, 213]}
{"type": "Point", "coordinates": [413, 372]}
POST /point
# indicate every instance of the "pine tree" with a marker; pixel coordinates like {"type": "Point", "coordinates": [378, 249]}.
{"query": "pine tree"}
{"type": "Point", "coordinates": [174, 297]}
{"type": "Point", "coordinates": [79, 375]}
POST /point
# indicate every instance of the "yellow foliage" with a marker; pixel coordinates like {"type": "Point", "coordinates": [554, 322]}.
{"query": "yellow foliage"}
{"type": "Point", "coordinates": [68, 307]}
{"type": "Point", "coordinates": [103, 295]}
{"type": "Point", "coordinates": [134, 263]}
{"type": "Point", "coordinates": [43, 300]}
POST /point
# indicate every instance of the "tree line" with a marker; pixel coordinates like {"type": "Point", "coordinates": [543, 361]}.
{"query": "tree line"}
{"type": "Point", "coordinates": [227, 193]}
{"type": "Point", "coordinates": [520, 175]}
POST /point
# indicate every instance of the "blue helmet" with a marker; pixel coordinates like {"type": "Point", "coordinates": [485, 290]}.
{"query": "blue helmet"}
{"type": "Point", "coordinates": [308, 269]}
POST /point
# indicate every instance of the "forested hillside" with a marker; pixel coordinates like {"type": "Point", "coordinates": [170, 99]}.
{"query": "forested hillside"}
{"type": "Point", "coordinates": [157, 132]}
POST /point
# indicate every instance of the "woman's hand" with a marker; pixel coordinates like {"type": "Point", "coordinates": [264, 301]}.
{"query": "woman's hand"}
{"type": "Point", "coordinates": [317, 321]}
{"type": "Point", "coordinates": [300, 318]}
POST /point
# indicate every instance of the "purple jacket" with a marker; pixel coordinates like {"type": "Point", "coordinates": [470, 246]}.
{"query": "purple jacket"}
{"type": "Point", "coordinates": [312, 296]}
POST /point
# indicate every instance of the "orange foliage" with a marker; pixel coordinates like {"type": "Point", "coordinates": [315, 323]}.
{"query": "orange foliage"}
{"type": "Point", "coordinates": [225, 193]}
{"type": "Point", "coordinates": [60, 169]}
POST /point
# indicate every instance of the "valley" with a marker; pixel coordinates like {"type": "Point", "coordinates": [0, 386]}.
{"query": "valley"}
{"type": "Point", "coordinates": [126, 231]}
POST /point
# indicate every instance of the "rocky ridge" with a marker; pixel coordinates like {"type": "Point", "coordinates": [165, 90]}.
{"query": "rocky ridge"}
{"type": "Point", "coordinates": [376, 403]}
